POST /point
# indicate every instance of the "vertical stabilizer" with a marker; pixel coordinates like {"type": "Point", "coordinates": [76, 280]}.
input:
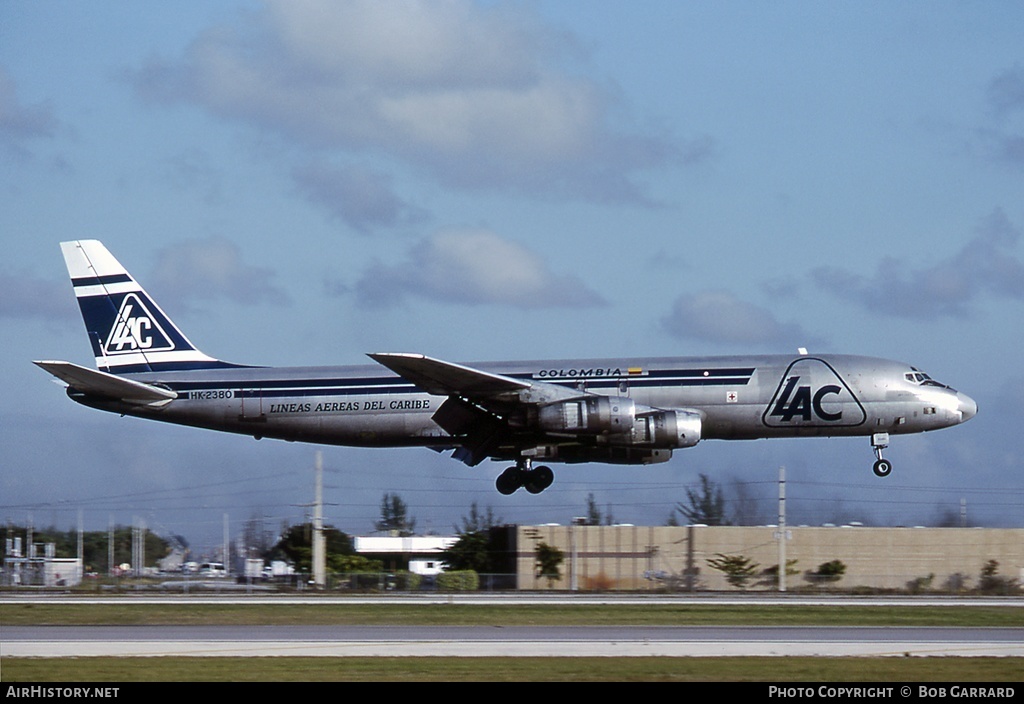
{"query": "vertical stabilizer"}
{"type": "Point", "coordinates": [127, 329]}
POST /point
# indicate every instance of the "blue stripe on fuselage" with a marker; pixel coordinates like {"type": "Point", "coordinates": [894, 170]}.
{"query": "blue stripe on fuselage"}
{"type": "Point", "coordinates": [335, 386]}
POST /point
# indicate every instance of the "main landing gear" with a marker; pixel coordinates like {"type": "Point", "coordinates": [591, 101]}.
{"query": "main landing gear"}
{"type": "Point", "coordinates": [882, 466]}
{"type": "Point", "coordinates": [534, 480]}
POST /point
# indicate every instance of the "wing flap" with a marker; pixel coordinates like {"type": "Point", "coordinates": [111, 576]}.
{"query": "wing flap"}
{"type": "Point", "coordinates": [103, 385]}
{"type": "Point", "coordinates": [480, 432]}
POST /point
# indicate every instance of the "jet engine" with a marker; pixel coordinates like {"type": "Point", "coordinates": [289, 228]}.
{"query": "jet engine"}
{"type": "Point", "coordinates": [618, 420]}
{"type": "Point", "coordinates": [589, 415]}
{"type": "Point", "coordinates": [668, 429]}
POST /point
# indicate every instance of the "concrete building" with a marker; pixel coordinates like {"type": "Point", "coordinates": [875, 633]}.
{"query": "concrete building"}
{"type": "Point", "coordinates": [656, 558]}
{"type": "Point", "coordinates": [419, 554]}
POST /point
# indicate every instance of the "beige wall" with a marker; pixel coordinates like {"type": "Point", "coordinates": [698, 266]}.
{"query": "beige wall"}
{"type": "Point", "coordinates": [648, 557]}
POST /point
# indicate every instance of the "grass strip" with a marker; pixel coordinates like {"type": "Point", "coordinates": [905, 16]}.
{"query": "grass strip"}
{"type": "Point", "coordinates": [517, 614]}
{"type": "Point", "coordinates": [487, 669]}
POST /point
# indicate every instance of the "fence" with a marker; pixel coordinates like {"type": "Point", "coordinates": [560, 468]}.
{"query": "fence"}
{"type": "Point", "coordinates": [354, 583]}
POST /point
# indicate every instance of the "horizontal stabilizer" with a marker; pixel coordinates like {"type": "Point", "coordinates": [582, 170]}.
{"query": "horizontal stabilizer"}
{"type": "Point", "coordinates": [108, 386]}
{"type": "Point", "coordinates": [446, 379]}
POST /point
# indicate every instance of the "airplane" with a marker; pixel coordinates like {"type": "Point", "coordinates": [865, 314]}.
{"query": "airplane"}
{"type": "Point", "coordinates": [617, 411]}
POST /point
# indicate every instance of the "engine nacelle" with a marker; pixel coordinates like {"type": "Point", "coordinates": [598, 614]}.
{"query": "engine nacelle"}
{"type": "Point", "coordinates": [669, 429]}
{"type": "Point", "coordinates": [589, 415]}
{"type": "Point", "coordinates": [618, 420]}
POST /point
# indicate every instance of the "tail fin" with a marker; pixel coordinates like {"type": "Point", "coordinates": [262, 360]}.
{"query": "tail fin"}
{"type": "Point", "coordinates": [128, 330]}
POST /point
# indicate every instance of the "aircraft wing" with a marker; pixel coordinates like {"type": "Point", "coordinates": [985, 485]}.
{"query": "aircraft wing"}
{"type": "Point", "coordinates": [479, 403]}
{"type": "Point", "coordinates": [447, 379]}
{"type": "Point", "coordinates": [108, 386]}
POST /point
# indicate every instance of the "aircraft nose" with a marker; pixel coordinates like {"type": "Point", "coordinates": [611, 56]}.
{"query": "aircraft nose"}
{"type": "Point", "coordinates": [967, 406]}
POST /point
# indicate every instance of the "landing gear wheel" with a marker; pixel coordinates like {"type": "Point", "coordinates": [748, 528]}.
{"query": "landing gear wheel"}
{"type": "Point", "coordinates": [539, 479]}
{"type": "Point", "coordinates": [509, 481]}
{"type": "Point", "coordinates": [882, 466]}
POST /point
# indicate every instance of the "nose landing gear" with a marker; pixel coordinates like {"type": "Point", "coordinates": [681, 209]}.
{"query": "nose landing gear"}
{"type": "Point", "coordinates": [524, 475]}
{"type": "Point", "coordinates": [882, 466]}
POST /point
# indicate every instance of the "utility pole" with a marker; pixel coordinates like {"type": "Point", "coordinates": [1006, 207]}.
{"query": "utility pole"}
{"type": "Point", "coordinates": [319, 553]}
{"type": "Point", "coordinates": [227, 547]}
{"type": "Point", "coordinates": [138, 545]}
{"type": "Point", "coordinates": [782, 534]}
{"type": "Point", "coordinates": [142, 546]}
{"type": "Point", "coordinates": [81, 548]}
{"type": "Point", "coordinates": [110, 546]}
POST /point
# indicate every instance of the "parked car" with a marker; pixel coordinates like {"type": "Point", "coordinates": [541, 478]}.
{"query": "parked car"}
{"type": "Point", "coordinates": [212, 569]}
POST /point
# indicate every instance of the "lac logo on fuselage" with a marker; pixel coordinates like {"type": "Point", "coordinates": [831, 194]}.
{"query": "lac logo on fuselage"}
{"type": "Point", "coordinates": [811, 393]}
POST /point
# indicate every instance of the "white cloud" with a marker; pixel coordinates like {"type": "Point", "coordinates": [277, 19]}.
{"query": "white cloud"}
{"type": "Point", "coordinates": [20, 123]}
{"type": "Point", "coordinates": [1005, 142]}
{"type": "Point", "coordinates": [477, 96]}
{"type": "Point", "coordinates": [721, 317]}
{"type": "Point", "coordinates": [213, 268]}
{"type": "Point", "coordinates": [26, 296]}
{"type": "Point", "coordinates": [1006, 91]}
{"type": "Point", "coordinates": [474, 267]}
{"type": "Point", "coordinates": [360, 196]}
{"type": "Point", "coordinates": [986, 264]}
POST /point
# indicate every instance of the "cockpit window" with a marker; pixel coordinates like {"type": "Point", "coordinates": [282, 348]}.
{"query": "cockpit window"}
{"type": "Point", "coordinates": [921, 379]}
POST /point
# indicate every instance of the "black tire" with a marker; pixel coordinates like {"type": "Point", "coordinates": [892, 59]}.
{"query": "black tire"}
{"type": "Point", "coordinates": [508, 481]}
{"type": "Point", "coordinates": [539, 479]}
{"type": "Point", "coordinates": [882, 468]}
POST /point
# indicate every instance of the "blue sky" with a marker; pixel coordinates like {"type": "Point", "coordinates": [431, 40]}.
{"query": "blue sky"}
{"type": "Point", "coordinates": [305, 182]}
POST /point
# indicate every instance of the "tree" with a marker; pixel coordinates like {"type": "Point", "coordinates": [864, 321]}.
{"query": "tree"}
{"type": "Point", "coordinates": [548, 561]}
{"type": "Point", "coordinates": [947, 517]}
{"type": "Point", "coordinates": [477, 521]}
{"type": "Point", "coordinates": [738, 570]}
{"type": "Point", "coordinates": [257, 539]}
{"type": "Point", "coordinates": [394, 516]}
{"type": "Point", "coordinates": [296, 546]}
{"type": "Point", "coordinates": [831, 571]}
{"type": "Point", "coordinates": [991, 582]}
{"type": "Point", "coordinates": [347, 564]}
{"type": "Point", "coordinates": [706, 505]}
{"type": "Point", "coordinates": [746, 507]}
{"type": "Point", "coordinates": [594, 516]}
{"type": "Point", "coordinates": [473, 550]}
{"type": "Point", "coordinates": [770, 575]}
{"type": "Point", "coordinates": [470, 552]}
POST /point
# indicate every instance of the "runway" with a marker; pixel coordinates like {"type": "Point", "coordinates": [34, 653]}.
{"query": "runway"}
{"type": "Point", "coordinates": [507, 641]}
